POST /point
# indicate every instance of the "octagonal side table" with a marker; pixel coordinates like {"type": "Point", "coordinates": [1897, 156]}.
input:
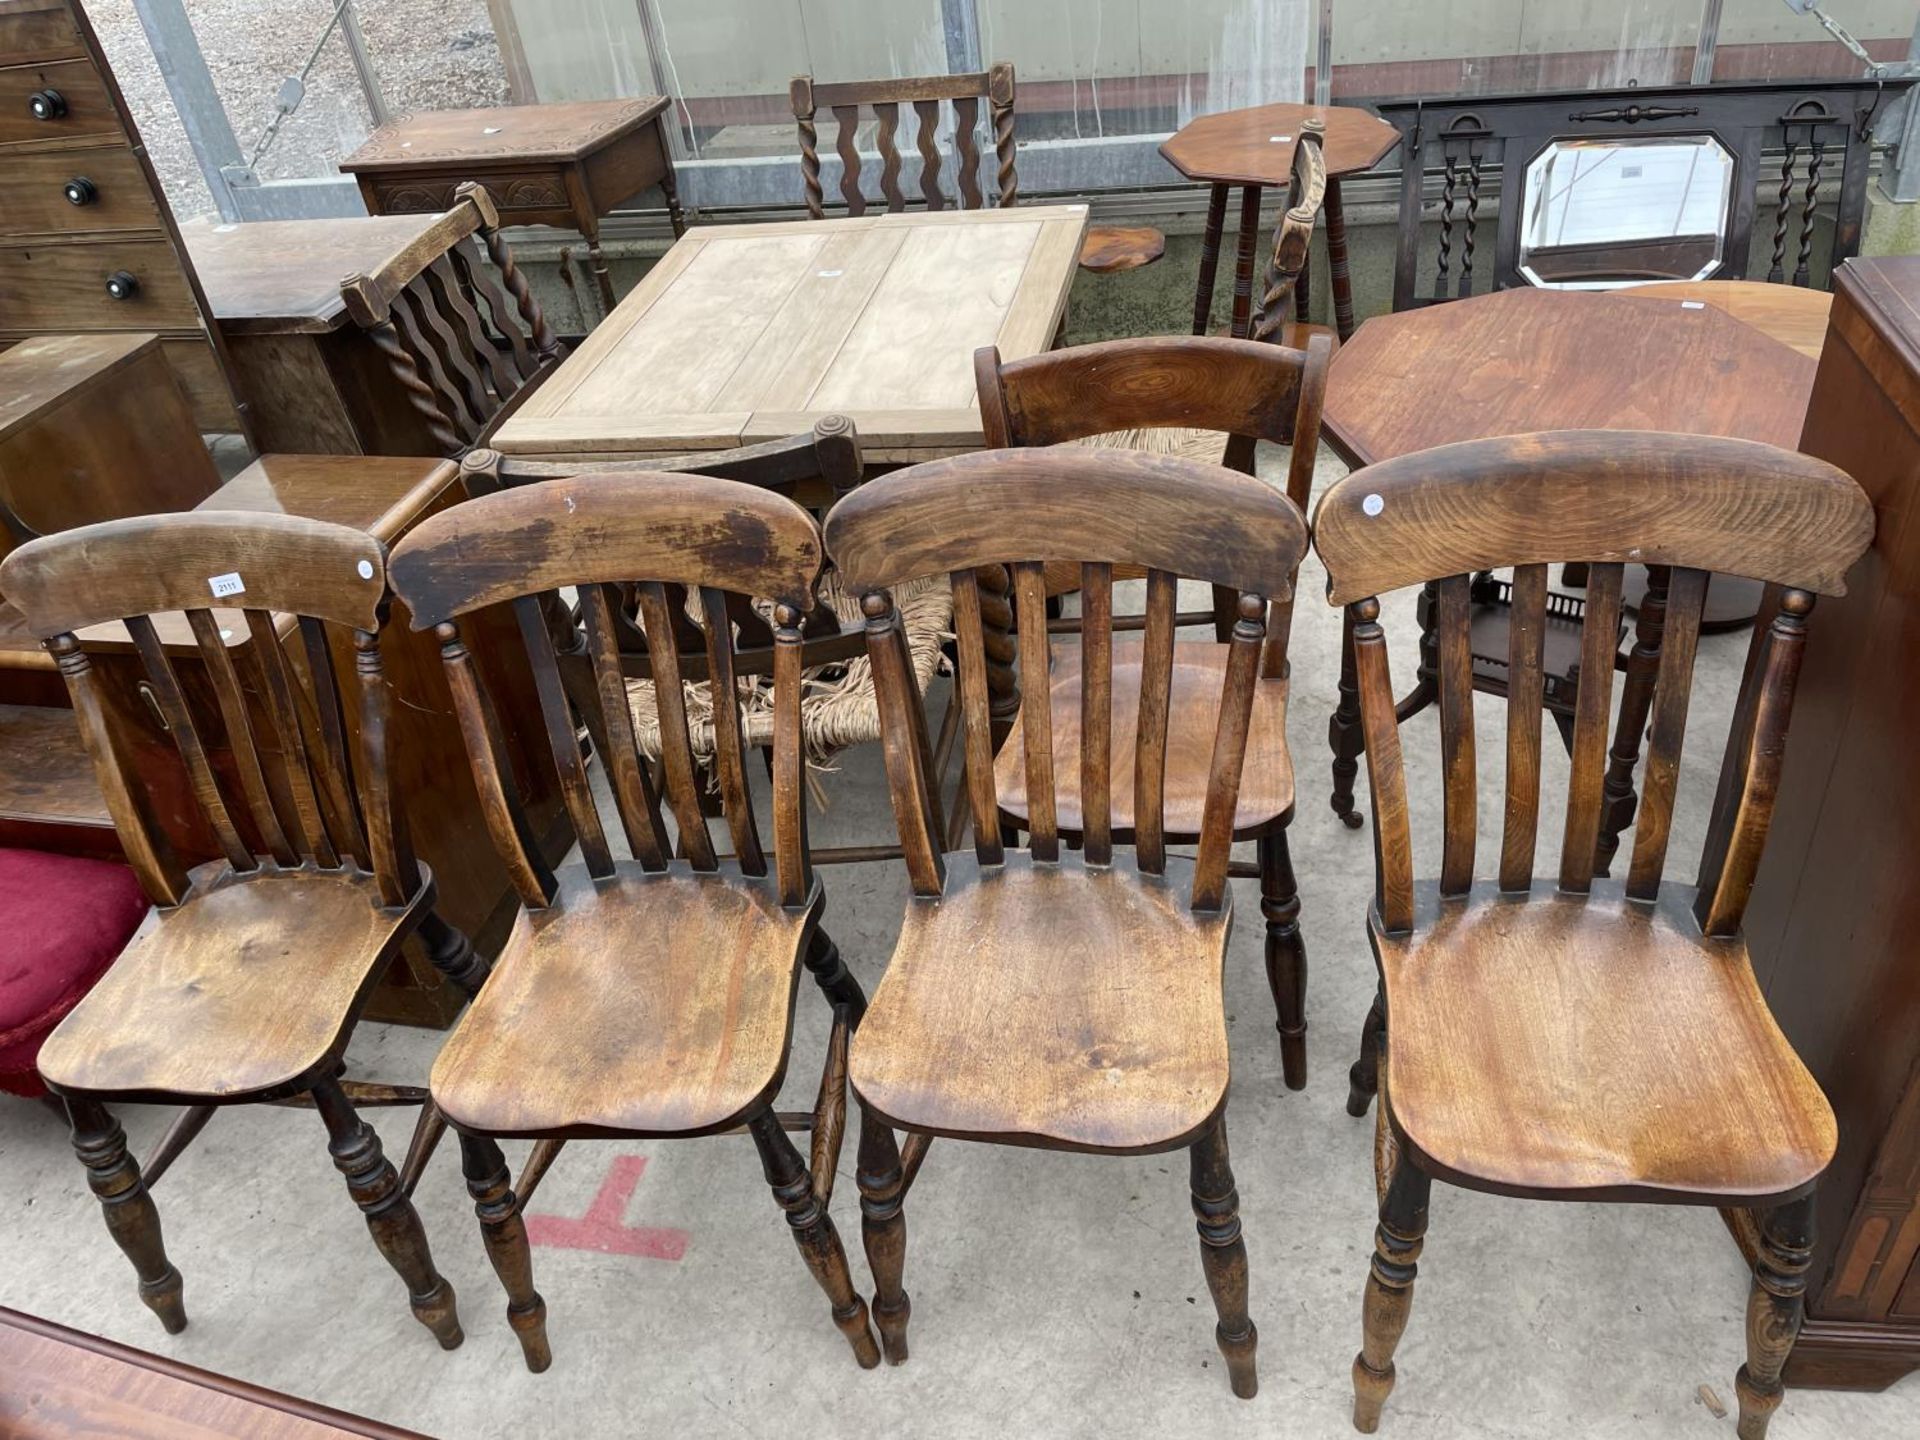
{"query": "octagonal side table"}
{"type": "Point", "coordinates": [1253, 148]}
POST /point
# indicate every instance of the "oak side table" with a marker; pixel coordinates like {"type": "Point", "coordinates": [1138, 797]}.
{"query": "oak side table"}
{"type": "Point", "coordinates": [562, 165]}
{"type": "Point", "coordinates": [1253, 148]}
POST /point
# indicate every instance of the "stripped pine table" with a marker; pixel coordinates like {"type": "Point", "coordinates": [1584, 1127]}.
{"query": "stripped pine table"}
{"type": "Point", "coordinates": [745, 333]}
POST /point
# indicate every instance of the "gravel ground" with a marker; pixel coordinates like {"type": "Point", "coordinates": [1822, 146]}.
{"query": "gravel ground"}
{"type": "Point", "coordinates": [428, 54]}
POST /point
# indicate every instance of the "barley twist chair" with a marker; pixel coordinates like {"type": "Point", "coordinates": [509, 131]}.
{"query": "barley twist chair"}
{"type": "Point", "coordinates": [466, 347]}
{"type": "Point", "coordinates": [1570, 1037]}
{"type": "Point", "coordinates": [1065, 1000]}
{"type": "Point", "coordinates": [651, 994]}
{"type": "Point", "coordinates": [1240, 391]}
{"type": "Point", "coordinates": [244, 982]}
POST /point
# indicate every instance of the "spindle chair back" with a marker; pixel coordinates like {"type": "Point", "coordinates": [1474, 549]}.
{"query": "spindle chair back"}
{"type": "Point", "coordinates": [1247, 391]}
{"type": "Point", "coordinates": [465, 345]}
{"type": "Point", "coordinates": [316, 886]}
{"type": "Point", "coordinates": [1002, 1015]}
{"type": "Point", "coordinates": [676, 962]}
{"type": "Point", "coordinates": [1569, 1037]}
{"type": "Point", "coordinates": [924, 94]}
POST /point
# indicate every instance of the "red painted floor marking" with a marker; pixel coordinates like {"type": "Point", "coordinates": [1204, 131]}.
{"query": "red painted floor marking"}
{"type": "Point", "coordinates": [604, 1227]}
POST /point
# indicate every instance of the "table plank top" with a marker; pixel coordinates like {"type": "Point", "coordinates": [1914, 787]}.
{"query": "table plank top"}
{"type": "Point", "coordinates": [1524, 360]}
{"type": "Point", "coordinates": [745, 333]}
{"type": "Point", "coordinates": [1794, 315]}
{"type": "Point", "coordinates": [564, 131]}
{"type": "Point", "coordinates": [282, 277]}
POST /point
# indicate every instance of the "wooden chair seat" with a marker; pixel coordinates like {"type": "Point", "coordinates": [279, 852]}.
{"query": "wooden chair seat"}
{"type": "Point", "coordinates": [1199, 672]}
{"type": "Point", "coordinates": [247, 987]}
{"type": "Point", "coordinates": [642, 1004]}
{"type": "Point", "coordinates": [1572, 1045]}
{"type": "Point", "coordinates": [1051, 1004]}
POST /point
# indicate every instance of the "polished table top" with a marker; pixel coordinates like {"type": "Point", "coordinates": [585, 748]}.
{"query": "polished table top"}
{"type": "Point", "coordinates": [1254, 146]}
{"type": "Point", "coordinates": [57, 1382]}
{"type": "Point", "coordinates": [1794, 315]}
{"type": "Point", "coordinates": [744, 333]}
{"type": "Point", "coordinates": [282, 277]}
{"type": "Point", "coordinates": [1524, 360]}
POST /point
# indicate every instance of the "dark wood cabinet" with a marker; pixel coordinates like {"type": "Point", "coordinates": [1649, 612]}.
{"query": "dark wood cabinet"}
{"type": "Point", "coordinates": [87, 242]}
{"type": "Point", "coordinates": [1834, 924]}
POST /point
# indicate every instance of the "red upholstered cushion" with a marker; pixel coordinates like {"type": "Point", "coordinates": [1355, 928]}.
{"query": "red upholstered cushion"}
{"type": "Point", "coordinates": [63, 921]}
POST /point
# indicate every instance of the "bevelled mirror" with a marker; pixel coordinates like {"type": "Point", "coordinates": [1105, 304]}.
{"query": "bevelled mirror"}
{"type": "Point", "coordinates": [1603, 213]}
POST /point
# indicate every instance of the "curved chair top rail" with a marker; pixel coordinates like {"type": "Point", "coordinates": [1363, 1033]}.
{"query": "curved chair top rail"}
{"type": "Point", "coordinates": [1736, 507]}
{"type": "Point", "coordinates": [1163, 512]}
{"type": "Point", "coordinates": [691, 530]}
{"type": "Point", "coordinates": [1202, 382]}
{"type": "Point", "coordinates": [150, 564]}
{"type": "Point", "coordinates": [369, 297]}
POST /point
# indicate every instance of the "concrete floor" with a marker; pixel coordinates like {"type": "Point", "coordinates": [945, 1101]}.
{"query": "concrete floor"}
{"type": "Point", "coordinates": [1056, 1295]}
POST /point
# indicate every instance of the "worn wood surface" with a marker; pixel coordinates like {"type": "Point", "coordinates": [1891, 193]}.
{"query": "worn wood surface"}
{"type": "Point", "coordinates": [1794, 315]}
{"type": "Point", "coordinates": [57, 1383]}
{"type": "Point", "coordinates": [1156, 511]}
{"type": "Point", "coordinates": [1529, 360]}
{"type": "Point", "coordinates": [95, 427]}
{"type": "Point", "coordinates": [282, 277]}
{"type": "Point", "coordinates": [1614, 1052]}
{"type": "Point", "coordinates": [1116, 249]}
{"type": "Point", "coordinates": [1734, 506]}
{"type": "Point", "coordinates": [1255, 145]}
{"type": "Point", "coordinates": [562, 131]}
{"type": "Point", "coordinates": [657, 1004]}
{"type": "Point", "coordinates": [745, 333]}
{"type": "Point", "coordinates": [998, 1018]}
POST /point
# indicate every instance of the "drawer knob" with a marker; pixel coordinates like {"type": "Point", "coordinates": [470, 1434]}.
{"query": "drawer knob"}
{"type": "Point", "coordinates": [47, 105]}
{"type": "Point", "coordinates": [123, 285]}
{"type": "Point", "coordinates": [80, 191]}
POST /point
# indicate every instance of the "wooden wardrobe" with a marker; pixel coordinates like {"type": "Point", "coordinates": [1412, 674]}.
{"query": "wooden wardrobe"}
{"type": "Point", "coordinates": [1834, 924]}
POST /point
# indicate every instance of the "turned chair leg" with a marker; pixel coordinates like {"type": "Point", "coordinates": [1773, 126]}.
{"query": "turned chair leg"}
{"type": "Point", "coordinates": [1286, 955]}
{"type": "Point", "coordinates": [395, 1224]}
{"type": "Point", "coordinates": [1389, 1296]}
{"type": "Point", "coordinates": [836, 982]}
{"type": "Point", "coordinates": [1223, 1255]}
{"type": "Point", "coordinates": [504, 1233]}
{"type": "Point", "coordinates": [114, 1177]}
{"type": "Point", "coordinates": [883, 1229]}
{"type": "Point", "coordinates": [813, 1232]}
{"type": "Point", "coordinates": [453, 955]}
{"type": "Point", "coordinates": [1345, 735]}
{"type": "Point", "coordinates": [1363, 1077]}
{"type": "Point", "coordinates": [1774, 1311]}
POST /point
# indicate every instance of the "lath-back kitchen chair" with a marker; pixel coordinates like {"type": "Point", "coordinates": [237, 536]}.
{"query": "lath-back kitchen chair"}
{"type": "Point", "coordinates": [1240, 391]}
{"type": "Point", "coordinates": [466, 346]}
{"type": "Point", "coordinates": [650, 995]}
{"type": "Point", "coordinates": [1069, 1001]}
{"type": "Point", "coordinates": [1575, 1038]}
{"type": "Point", "coordinates": [837, 707]}
{"type": "Point", "coordinates": [245, 981]}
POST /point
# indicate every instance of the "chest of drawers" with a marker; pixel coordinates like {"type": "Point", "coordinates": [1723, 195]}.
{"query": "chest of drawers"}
{"type": "Point", "coordinates": [87, 243]}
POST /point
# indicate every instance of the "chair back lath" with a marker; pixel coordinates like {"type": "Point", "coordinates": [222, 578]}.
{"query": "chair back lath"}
{"type": "Point", "coordinates": [267, 763]}
{"type": "Point", "coordinates": [922, 97]}
{"type": "Point", "coordinates": [673, 557]}
{"type": "Point", "coordinates": [1685, 506]}
{"type": "Point", "coordinates": [1171, 517]}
